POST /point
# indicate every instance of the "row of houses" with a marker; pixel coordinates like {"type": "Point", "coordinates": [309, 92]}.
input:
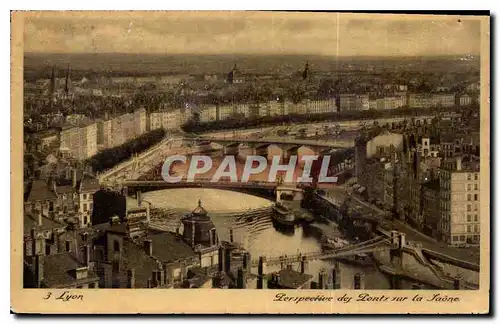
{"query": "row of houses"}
{"type": "Point", "coordinates": [432, 184]}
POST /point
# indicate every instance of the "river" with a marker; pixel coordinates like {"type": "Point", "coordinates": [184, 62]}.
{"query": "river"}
{"type": "Point", "coordinates": [256, 231]}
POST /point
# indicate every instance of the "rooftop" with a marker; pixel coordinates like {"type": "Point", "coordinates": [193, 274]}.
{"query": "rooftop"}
{"type": "Point", "coordinates": [168, 247]}
{"type": "Point", "coordinates": [89, 185]}
{"type": "Point", "coordinates": [40, 191]}
{"type": "Point", "coordinates": [59, 270]}
{"type": "Point", "coordinates": [31, 221]}
{"type": "Point", "coordinates": [291, 279]}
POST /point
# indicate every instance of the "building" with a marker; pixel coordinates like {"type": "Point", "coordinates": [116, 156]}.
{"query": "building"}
{"type": "Point", "coordinates": [41, 200]}
{"type": "Point", "coordinates": [353, 102]}
{"type": "Point", "coordinates": [430, 208]}
{"type": "Point", "coordinates": [86, 191]}
{"type": "Point", "coordinates": [140, 122]}
{"type": "Point", "coordinates": [208, 113]}
{"type": "Point", "coordinates": [289, 279]}
{"type": "Point", "coordinates": [79, 143]}
{"type": "Point", "coordinates": [460, 201]}
{"type": "Point", "coordinates": [465, 100]}
{"type": "Point", "coordinates": [234, 76]}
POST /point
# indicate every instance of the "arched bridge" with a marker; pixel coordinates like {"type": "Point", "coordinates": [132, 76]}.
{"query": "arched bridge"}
{"type": "Point", "coordinates": [286, 143]}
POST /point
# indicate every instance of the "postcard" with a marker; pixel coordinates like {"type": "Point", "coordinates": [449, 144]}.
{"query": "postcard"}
{"type": "Point", "coordinates": [204, 162]}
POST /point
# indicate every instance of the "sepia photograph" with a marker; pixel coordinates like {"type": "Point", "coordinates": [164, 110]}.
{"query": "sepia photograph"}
{"type": "Point", "coordinates": [248, 160]}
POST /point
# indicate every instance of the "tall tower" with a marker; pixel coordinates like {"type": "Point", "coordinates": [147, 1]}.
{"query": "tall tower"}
{"type": "Point", "coordinates": [305, 74]}
{"type": "Point", "coordinates": [68, 81]}
{"type": "Point", "coordinates": [53, 82]}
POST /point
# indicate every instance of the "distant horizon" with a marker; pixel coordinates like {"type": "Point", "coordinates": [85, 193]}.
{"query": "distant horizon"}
{"type": "Point", "coordinates": [475, 55]}
{"type": "Point", "coordinates": [249, 32]}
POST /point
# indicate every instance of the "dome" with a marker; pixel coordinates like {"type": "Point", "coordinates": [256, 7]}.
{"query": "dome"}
{"type": "Point", "coordinates": [198, 228]}
{"type": "Point", "coordinates": [199, 211]}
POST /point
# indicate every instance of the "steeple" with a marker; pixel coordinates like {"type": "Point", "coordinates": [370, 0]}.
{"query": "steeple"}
{"type": "Point", "coordinates": [53, 81]}
{"type": "Point", "coordinates": [67, 84]}
{"type": "Point", "coordinates": [305, 74]}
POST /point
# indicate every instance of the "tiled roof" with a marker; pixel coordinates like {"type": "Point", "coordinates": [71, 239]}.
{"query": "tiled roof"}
{"type": "Point", "coordinates": [40, 191]}
{"type": "Point", "coordinates": [89, 185]}
{"type": "Point", "coordinates": [65, 189]}
{"type": "Point", "coordinates": [289, 278]}
{"type": "Point", "coordinates": [168, 247]}
{"type": "Point", "coordinates": [31, 221]}
{"type": "Point", "coordinates": [58, 270]}
{"type": "Point", "coordinates": [134, 257]}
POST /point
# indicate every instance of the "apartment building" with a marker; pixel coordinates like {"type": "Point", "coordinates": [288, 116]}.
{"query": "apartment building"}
{"type": "Point", "coordinates": [460, 201]}
{"type": "Point", "coordinates": [353, 102]}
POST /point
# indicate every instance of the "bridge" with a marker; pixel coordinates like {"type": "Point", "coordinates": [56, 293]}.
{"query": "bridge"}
{"type": "Point", "coordinates": [286, 144]}
{"type": "Point", "coordinates": [376, 244]}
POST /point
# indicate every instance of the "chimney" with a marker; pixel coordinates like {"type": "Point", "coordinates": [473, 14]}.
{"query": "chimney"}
{"type": "Point", "coordinates": [336, 276]}
{"type": "Point", "coordinates": [458, 282]}
{"type": "Point", "coordinates": [459, 163]}
{"type": "Point", "coordinates": [241, 281]}
{"type": "Point", "coordinates": [246, 261]}
{"type": "Point", "coordinates": [261, 282]}
{"type": "Point", "coordinates": [159, 279]}
{"type": "Point", "coordinates": [231, 238]}
{"type": "Point", "coordinates": [73, 177]}
{"type": "Point", "coordinates": [222, 258]}
{"type": "Point", "coordinates": [38, 270]}
{"type": "Point", "coordinates": [228, 259]}
{"type": "Point", "coordinates": [148, 247]}
{"type": "Point", "coordinates": [322, 279]}
{"type": "Point", "coordinates": [86, 254]}
{"type": "Point", "coordinates": [34, 242]}
{"type": "Point", "coordinates": [303, 265]}
{"type": "Point", "coordinates": [139, 198]}
{"type": "Point", "coordinates": [359, 281]}
{"type": "Point", "coordinates": [154, 279]}
{"type": "Point", "coordinates": [39, 218]}
{"type": "Point", "coordinates": [131, 278]}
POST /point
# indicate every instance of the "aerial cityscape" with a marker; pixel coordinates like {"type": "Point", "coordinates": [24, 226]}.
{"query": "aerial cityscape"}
{"type": "Point", "coordinates": [387, 111]}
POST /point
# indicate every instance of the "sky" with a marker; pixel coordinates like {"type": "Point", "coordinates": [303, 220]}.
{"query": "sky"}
{"type": "Point", "coordinates": [196, 32]}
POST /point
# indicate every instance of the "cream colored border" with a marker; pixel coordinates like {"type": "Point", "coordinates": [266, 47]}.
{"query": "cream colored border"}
{"type": "Point", "coordinates": [231, 301]}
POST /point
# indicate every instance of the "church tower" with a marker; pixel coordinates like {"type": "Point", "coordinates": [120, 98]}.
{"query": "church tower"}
{"type": "Point", "coordinates": [305, 74]}
{"type": "Point", "coordinates": [67, 83]}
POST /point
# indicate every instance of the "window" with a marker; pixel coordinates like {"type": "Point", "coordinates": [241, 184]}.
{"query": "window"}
{"type": "Point", "coordinates": [469, 197]}
{"type": "Point", "coordinates": [47, 249]}
{"type": "Point", "coordinates": [51, 205]}
{"type": "Point", "coordinates": [476, 176]}
{"type": "Point", "coordinates": [91, 285]}
{"type": "Point", "coordinates": [84, 196]}
{"type": "Point", "coordinates": [85, 220]}
{"type": "Point", "coordinates": [469, 177]}
{"type": "Point", "coordinates": [84, 207]}
{"type": "Point", "coordinates": [116, 246]}
{"type": "Point", "coordinates": [476, 218]}
{"type": "Point", "coordinates": [455, 238]}
{"type": "Point", "coordinates": [462, 237]}
{"type": "Point", "coordinates": [90, 206]}
{"type": "Point", "coordinates": [476, 228]}
{"type": "Point", "coordinates": [469, 229]}
{"type": "Point", "coordinates": [68, 247]}
{"type": "Point", "coordinates": [65, 209]}
{"type": "Point", "coordinates": [469, 186]}
{"type": "Point", "coordinates": [469, 217]}
{"type": "Point", "coordinates": [469, 208]}
{"type": "Point", "coordinates": [475, 197]}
